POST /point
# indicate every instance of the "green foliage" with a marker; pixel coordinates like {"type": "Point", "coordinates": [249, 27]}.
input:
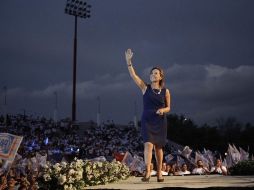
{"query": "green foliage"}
{"type": "Point", "coordinates": [243, 168]}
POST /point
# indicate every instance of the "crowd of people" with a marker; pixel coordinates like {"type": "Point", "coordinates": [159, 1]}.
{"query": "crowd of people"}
{"type": "Point", "coordinates": [61, 140]}
{"type": "Point", "coordinates": [46, 140]}
{"type": "Point", "coordinates": [185, 169]}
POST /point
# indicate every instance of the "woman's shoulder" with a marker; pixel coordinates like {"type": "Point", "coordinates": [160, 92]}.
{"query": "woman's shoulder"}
{"type": "Point", "coordinates": [147, 86]}
{"type": "Point", "coordinates": [144, 89]}
{"type": "Point", "coordinates": [166, 89]}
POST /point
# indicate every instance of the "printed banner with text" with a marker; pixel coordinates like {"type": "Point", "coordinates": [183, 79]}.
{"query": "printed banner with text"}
{"type": "Point", "coordinates": [9, 145]}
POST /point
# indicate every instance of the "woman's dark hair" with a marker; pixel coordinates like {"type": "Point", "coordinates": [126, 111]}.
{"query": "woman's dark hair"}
{"type": "Point", "coordinates": [162, 81]}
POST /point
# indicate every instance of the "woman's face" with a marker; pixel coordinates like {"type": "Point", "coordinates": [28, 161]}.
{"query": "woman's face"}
{"type": "Point", "coordinates": [155, 75]}
{"type": "Point", "coordinates": [164, 167]}
{"type": "Point", "coordinates": [184, 167]}
{"type": "Point", "coordinates": [218, 162]}
{"type": "Point", "coordinates": [168, 168]}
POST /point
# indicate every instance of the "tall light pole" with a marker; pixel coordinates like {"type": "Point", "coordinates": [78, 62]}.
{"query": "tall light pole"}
{"type": "Point", "coordinates": [5, 103]}
{"type": "Point", "coordinates": [56, 105]}
{"type": "Point", "coordinates": [99, 112]}
{"type": "Point", "coordinates": [77, 8]}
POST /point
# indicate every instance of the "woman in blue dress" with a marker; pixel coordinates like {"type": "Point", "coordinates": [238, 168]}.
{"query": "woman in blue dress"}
{"type": "Point", "coordinates": [156, 103]}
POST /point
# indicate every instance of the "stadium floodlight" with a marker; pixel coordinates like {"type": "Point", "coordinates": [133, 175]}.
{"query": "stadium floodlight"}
{"type": "Point", "coordinates": [77, 8]}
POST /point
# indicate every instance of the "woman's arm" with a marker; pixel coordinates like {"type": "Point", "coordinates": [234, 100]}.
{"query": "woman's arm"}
{"type": "Point", "coordinates": [167, 108]}
{"type": "Point", "coordinates": [134, 76]}
{"type": "Point", "coordinates": [224, 170]}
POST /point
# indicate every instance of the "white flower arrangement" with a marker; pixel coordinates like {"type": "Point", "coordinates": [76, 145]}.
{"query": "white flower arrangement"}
{"type": "Point", "coordinates": [79, 174]}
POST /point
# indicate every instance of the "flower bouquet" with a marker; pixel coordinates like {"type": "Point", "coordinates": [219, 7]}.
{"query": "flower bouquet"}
{"type": "Point", "coordinates": [81, 173]}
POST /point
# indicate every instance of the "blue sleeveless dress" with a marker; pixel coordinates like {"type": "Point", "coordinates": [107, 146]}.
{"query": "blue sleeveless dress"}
{"type": "Point", "coordinates": [154, 126]}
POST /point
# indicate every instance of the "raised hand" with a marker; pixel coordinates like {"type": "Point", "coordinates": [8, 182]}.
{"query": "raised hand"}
{"type": "Point", "coordinates": [128, 55]}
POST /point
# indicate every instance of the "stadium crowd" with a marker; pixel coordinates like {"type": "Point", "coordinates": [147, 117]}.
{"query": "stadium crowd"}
{"type": "Point", "coordinates": [45, 140]}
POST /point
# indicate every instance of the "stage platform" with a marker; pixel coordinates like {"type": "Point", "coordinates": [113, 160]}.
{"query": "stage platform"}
{"type": "Point", "coordinates": [178, 182]}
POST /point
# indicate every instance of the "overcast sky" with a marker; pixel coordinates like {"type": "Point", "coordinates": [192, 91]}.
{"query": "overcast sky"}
{"type": "Point", "coordinates": [205, 47]}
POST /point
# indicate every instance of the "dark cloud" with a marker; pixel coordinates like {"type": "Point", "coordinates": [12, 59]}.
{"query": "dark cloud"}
{"type": "Point", "coordinates": [201, 92]}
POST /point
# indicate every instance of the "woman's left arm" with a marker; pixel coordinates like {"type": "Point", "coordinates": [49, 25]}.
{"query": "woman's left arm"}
{"type": "Point", "coordinates": [167, 108]}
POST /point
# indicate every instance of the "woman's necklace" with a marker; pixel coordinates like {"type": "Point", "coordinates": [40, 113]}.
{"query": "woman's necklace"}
{"type": "Point", "coordinates": [159, 91]}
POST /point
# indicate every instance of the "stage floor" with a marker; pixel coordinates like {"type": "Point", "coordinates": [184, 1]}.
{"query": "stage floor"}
{"type": "Point", "coordinates": [182, 181]}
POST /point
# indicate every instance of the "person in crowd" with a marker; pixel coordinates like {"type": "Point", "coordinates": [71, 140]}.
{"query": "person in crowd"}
{"type": "Point", "coordinates": [3, 182]}
{"type": "Point", "coordinates": [173, 169]}
{"type": "Point", "coordinates": [200, 169]}
{"type": "Point", "coordinates": [33, 183]}
{"type": "Point", "coordinates": [24, 181]}
{"type": "Point", "coordinates": [11, 183]}
{"type": "Point", "coordinates": [168, 169]}
{"type": "Point", "coordinates": [164, 169]}
{"type": "Point", "coordinates": [156, 103]}
{"type": "Point", "coordinates": [219, 168]}
{"type": "Point", "coordinates": [184, 170]}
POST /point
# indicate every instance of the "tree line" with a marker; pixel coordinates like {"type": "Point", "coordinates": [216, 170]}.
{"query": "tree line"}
{"type": "Point", "coordinates": [216, 138]}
